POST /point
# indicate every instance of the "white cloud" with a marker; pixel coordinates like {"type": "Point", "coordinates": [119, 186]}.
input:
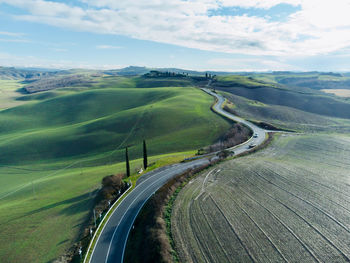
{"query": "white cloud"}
{"type": "Point", "coordinates": [11, 34]}
{"type": "Point", "coordinates": [258, 3]}
{"type": "Point", "coordinates": [11, 60]}
{"type": "Point", "coordinates": [14, 40]}
{"type": "Point", "coordinates": [107, 47]}
{"type": "Point", "coordinates": [14, 37]}
{"type": "Point", "coordinates": [320, 27]}
{"type": "Point", "coordinates": [249, 64]}
{"type": "Point", "coordinates": [59, 49]}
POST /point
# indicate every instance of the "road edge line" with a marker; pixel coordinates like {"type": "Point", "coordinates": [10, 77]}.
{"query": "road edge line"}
{"type": "Point", "coordinates": [213, 108]}
{"type": "Point", "coordinates": [107, 216]}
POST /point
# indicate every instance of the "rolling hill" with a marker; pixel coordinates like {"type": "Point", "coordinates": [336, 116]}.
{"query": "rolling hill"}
{"type": "Point", "coordinates": [296, 108]}
{"type": "Point", "coordinates": [56, 148]}
{"type": "Point", "coordinates": [286, 96]}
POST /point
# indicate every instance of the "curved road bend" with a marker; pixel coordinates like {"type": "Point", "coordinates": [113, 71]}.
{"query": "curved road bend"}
{"type": "Point", "coordinates": [112, 240]}
{"type": "Point", "coordinates": [261, 133]}
{"type": "Point", "coordinates": [111, 243]}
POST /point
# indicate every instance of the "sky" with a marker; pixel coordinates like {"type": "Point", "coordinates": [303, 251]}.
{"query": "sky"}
{"type": "Point", "coordinates": [222, 35]}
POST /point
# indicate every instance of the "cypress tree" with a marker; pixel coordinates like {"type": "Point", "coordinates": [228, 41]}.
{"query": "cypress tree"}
{"type": "Point", "coordinates": [127, 162]}
{"type": "Point", "coordinates": [144, 155]}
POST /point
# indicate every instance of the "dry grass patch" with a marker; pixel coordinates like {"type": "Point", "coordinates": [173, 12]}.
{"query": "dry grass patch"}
{"type": "Point", "coordinates": [338, 92]}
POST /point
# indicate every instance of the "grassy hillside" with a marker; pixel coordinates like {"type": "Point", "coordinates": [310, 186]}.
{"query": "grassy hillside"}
{"type": "Point", "coordinates": [96, 121]}
{"type": "Point", "coordinates": [237, 80]}
{"type": "Point", "coordinates": [8, 94]}
{"type": "Point", "coordinates": [7, 73]}
{"type": "Point", "coordinates": [286, 96]}
{"type": "Point", "coordinates": [285, 117]}
{"type": "Point", "coordinates": [259, 98]}
{"type": "Point", "coordinates": [313, 80]}
{"type": "Point", "coordinates": [55, 149]}
{"type": "Point", "coordinates": [289, 202]}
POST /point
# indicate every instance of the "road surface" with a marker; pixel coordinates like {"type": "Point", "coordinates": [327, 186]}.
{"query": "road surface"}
{"type": "Point", "coordinates": [260, 133]}
{"type": "Point", "coordinates": [111, 243]}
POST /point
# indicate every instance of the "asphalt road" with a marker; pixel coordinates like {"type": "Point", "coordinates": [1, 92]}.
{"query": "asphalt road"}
{"type": "Point", "coordinates": [111, 243]}
{"type": "Point", "coordinates": [259, 134]}
{"type": "Point", "coordinates": [112, 240]}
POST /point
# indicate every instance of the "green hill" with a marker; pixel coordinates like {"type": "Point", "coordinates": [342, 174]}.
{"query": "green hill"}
{"type": "Point", "coordinates": [285, 106]}
{"type": "Point", "coordinates": [96, 121]}
{"type": "Point", "coordinates": [56, 148]}
{"type": "Point", "coordinates": [309, 102]}
{"type": "Point", "coordinates": [285, 117]}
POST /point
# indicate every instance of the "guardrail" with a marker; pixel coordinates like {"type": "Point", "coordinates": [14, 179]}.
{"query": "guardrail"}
{"type": "Point", "coordinates": [102, 225]}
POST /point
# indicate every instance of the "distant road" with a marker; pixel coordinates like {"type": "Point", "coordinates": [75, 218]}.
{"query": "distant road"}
{"type": "Point", "coordinates": [261, 133]}
{"type": "Point", "coordinates": [111, 243]}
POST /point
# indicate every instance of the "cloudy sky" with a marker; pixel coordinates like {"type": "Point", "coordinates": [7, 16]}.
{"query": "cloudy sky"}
{"type": "Point", "coordinates": [230, 35]}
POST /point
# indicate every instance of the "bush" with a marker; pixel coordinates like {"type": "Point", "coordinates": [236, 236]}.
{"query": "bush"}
{"type": "Point", "coordinates": [111, 185]}
{"type": "Point", "coordinates": [237, 134]}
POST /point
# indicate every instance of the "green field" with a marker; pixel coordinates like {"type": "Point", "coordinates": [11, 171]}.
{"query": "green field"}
{"type": "Point", "coordinates": [287, 203]}
{"type": "Point", "coordinates": [56, 148]}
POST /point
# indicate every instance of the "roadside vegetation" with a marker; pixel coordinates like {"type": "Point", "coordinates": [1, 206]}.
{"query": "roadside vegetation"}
{"type": "Point", "coordinates": [288, 202]}
{"type": "Point", "coordinates": [237, 134]}
{"type": "Point", "coordinates": [112, 187]}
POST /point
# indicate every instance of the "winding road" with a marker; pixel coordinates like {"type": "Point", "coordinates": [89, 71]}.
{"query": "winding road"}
{"type": "Point", "coordinates": [112, 240]}
{"type": "Point", "coordinates": [259, 133]}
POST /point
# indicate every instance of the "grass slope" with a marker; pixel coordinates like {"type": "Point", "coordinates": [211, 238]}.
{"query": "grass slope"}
{"type": "Point", "coordinates": [311, 80]}
{"type": "Point", "coordinates": [288, 107]}
{"type": "Point", "coordinates": [8, 94]}
{"type": "Point", "coordinates": [289, 202]}
{"type": "Point", "coordinates": [55, 150]}
{"type": "Point", "coordinates": [285, 117]}
{"type": "Point", "coordinates": [96, 121]}
{"type": "Point", "coordinates": [305, 101]}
